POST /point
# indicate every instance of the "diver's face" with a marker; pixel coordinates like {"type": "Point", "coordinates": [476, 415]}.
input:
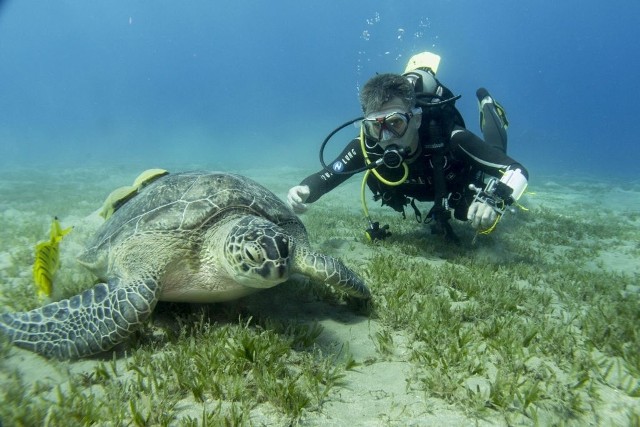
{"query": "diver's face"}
{"type": "Point", "coordinates": [394, 125]}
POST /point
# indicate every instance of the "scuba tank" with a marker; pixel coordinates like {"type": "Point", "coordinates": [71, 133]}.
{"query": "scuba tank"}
{"type": "Point", "coordinates": [438, 110]}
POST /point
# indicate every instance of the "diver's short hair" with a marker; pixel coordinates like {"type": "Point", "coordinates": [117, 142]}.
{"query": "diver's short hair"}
{"type": "Point", "coordinates": [384, 87]}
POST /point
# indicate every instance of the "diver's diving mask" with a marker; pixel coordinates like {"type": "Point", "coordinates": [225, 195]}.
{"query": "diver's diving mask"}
{"type": "Point", "coordinates": [389, 126]}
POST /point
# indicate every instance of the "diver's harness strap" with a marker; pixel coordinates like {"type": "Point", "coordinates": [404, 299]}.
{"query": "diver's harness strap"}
{"type": "Point", "coordinates": [416, 211]}
{"type": "Point", "coordinates": [437, 103]}
{"type": "Point", "coordinates": [439, 215]}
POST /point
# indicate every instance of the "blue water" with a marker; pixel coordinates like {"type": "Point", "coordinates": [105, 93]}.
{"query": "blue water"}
{"type": "Point", "coordinates": [249, 83]}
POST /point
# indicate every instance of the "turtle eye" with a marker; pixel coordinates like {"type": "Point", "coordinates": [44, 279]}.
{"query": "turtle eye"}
{"type": "Point", "coordinates": [254, 253]}
{"type": "Point", "coordinates": [283, 247]}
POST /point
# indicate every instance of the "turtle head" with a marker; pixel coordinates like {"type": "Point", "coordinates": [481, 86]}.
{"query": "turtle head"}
{"type": "Point", "coordinates": [257, 252]}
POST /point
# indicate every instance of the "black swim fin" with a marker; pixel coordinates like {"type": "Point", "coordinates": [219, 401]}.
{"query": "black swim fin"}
{"type": "Point", "coordinates": [482, 95]}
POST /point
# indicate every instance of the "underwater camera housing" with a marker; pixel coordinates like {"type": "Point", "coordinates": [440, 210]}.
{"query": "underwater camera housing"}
{"type": "Point", "coordinates": [496, 194]}
{"type": "Point", "coordinates": [503, 192]}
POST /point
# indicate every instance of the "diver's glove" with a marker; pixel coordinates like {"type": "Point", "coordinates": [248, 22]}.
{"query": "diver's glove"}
{"type": "Point", "coordinates": [482, 215]}
{"type": "Point", "coordinates": [297, 196]}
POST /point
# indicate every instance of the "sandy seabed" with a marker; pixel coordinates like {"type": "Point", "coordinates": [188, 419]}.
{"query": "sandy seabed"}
{"type": "Point", "coordinates": [376, 393]}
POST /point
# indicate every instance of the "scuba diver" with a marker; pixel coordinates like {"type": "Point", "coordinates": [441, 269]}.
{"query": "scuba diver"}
{"type": "Point", "coordinates": [413, 145]}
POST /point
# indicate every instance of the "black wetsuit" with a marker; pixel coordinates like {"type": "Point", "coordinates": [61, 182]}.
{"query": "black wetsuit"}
{"type": "Point", "coordinates": [467, 158]}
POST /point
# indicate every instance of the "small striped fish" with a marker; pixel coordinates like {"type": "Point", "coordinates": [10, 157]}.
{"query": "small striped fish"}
{"type": "Point", "coordinates": [48, 259]}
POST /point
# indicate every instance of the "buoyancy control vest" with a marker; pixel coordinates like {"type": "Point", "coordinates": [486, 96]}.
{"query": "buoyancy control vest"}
{"type": "Point", "coordinates": [439, 118]}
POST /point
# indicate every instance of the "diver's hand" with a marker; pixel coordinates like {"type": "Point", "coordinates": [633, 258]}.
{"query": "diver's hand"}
{"type": "Point", "coordinates": [297, 196]}
{"type": "Point", "coordinates": [482, 215]}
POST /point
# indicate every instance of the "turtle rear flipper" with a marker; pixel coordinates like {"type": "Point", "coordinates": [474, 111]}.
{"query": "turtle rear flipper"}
{"type": "Point", "coordinates": [326, 269]}
{"type": "Point", "coordinates": [86, 324]}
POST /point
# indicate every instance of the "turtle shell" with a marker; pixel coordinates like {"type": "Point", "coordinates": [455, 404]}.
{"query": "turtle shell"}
{"type": "Point", "coordinates": [190, 201]}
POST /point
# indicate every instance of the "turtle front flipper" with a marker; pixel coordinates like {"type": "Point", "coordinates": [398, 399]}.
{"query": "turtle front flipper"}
{"type": "Point", "coordinates": [88, 323]}
{"type": "Point", "coordinates": [332, 271]}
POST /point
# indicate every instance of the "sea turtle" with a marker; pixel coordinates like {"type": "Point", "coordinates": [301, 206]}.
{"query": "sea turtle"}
{"type": "Point", "coordinates": [189, 237]}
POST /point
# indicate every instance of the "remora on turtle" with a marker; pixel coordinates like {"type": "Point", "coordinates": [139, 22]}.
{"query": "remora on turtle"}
{"type": "Point", "coordinates": [191, 237]}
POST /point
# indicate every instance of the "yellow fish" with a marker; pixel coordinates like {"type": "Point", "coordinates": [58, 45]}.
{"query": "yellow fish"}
{"type": "Point", "coordinates": [48, 259]}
